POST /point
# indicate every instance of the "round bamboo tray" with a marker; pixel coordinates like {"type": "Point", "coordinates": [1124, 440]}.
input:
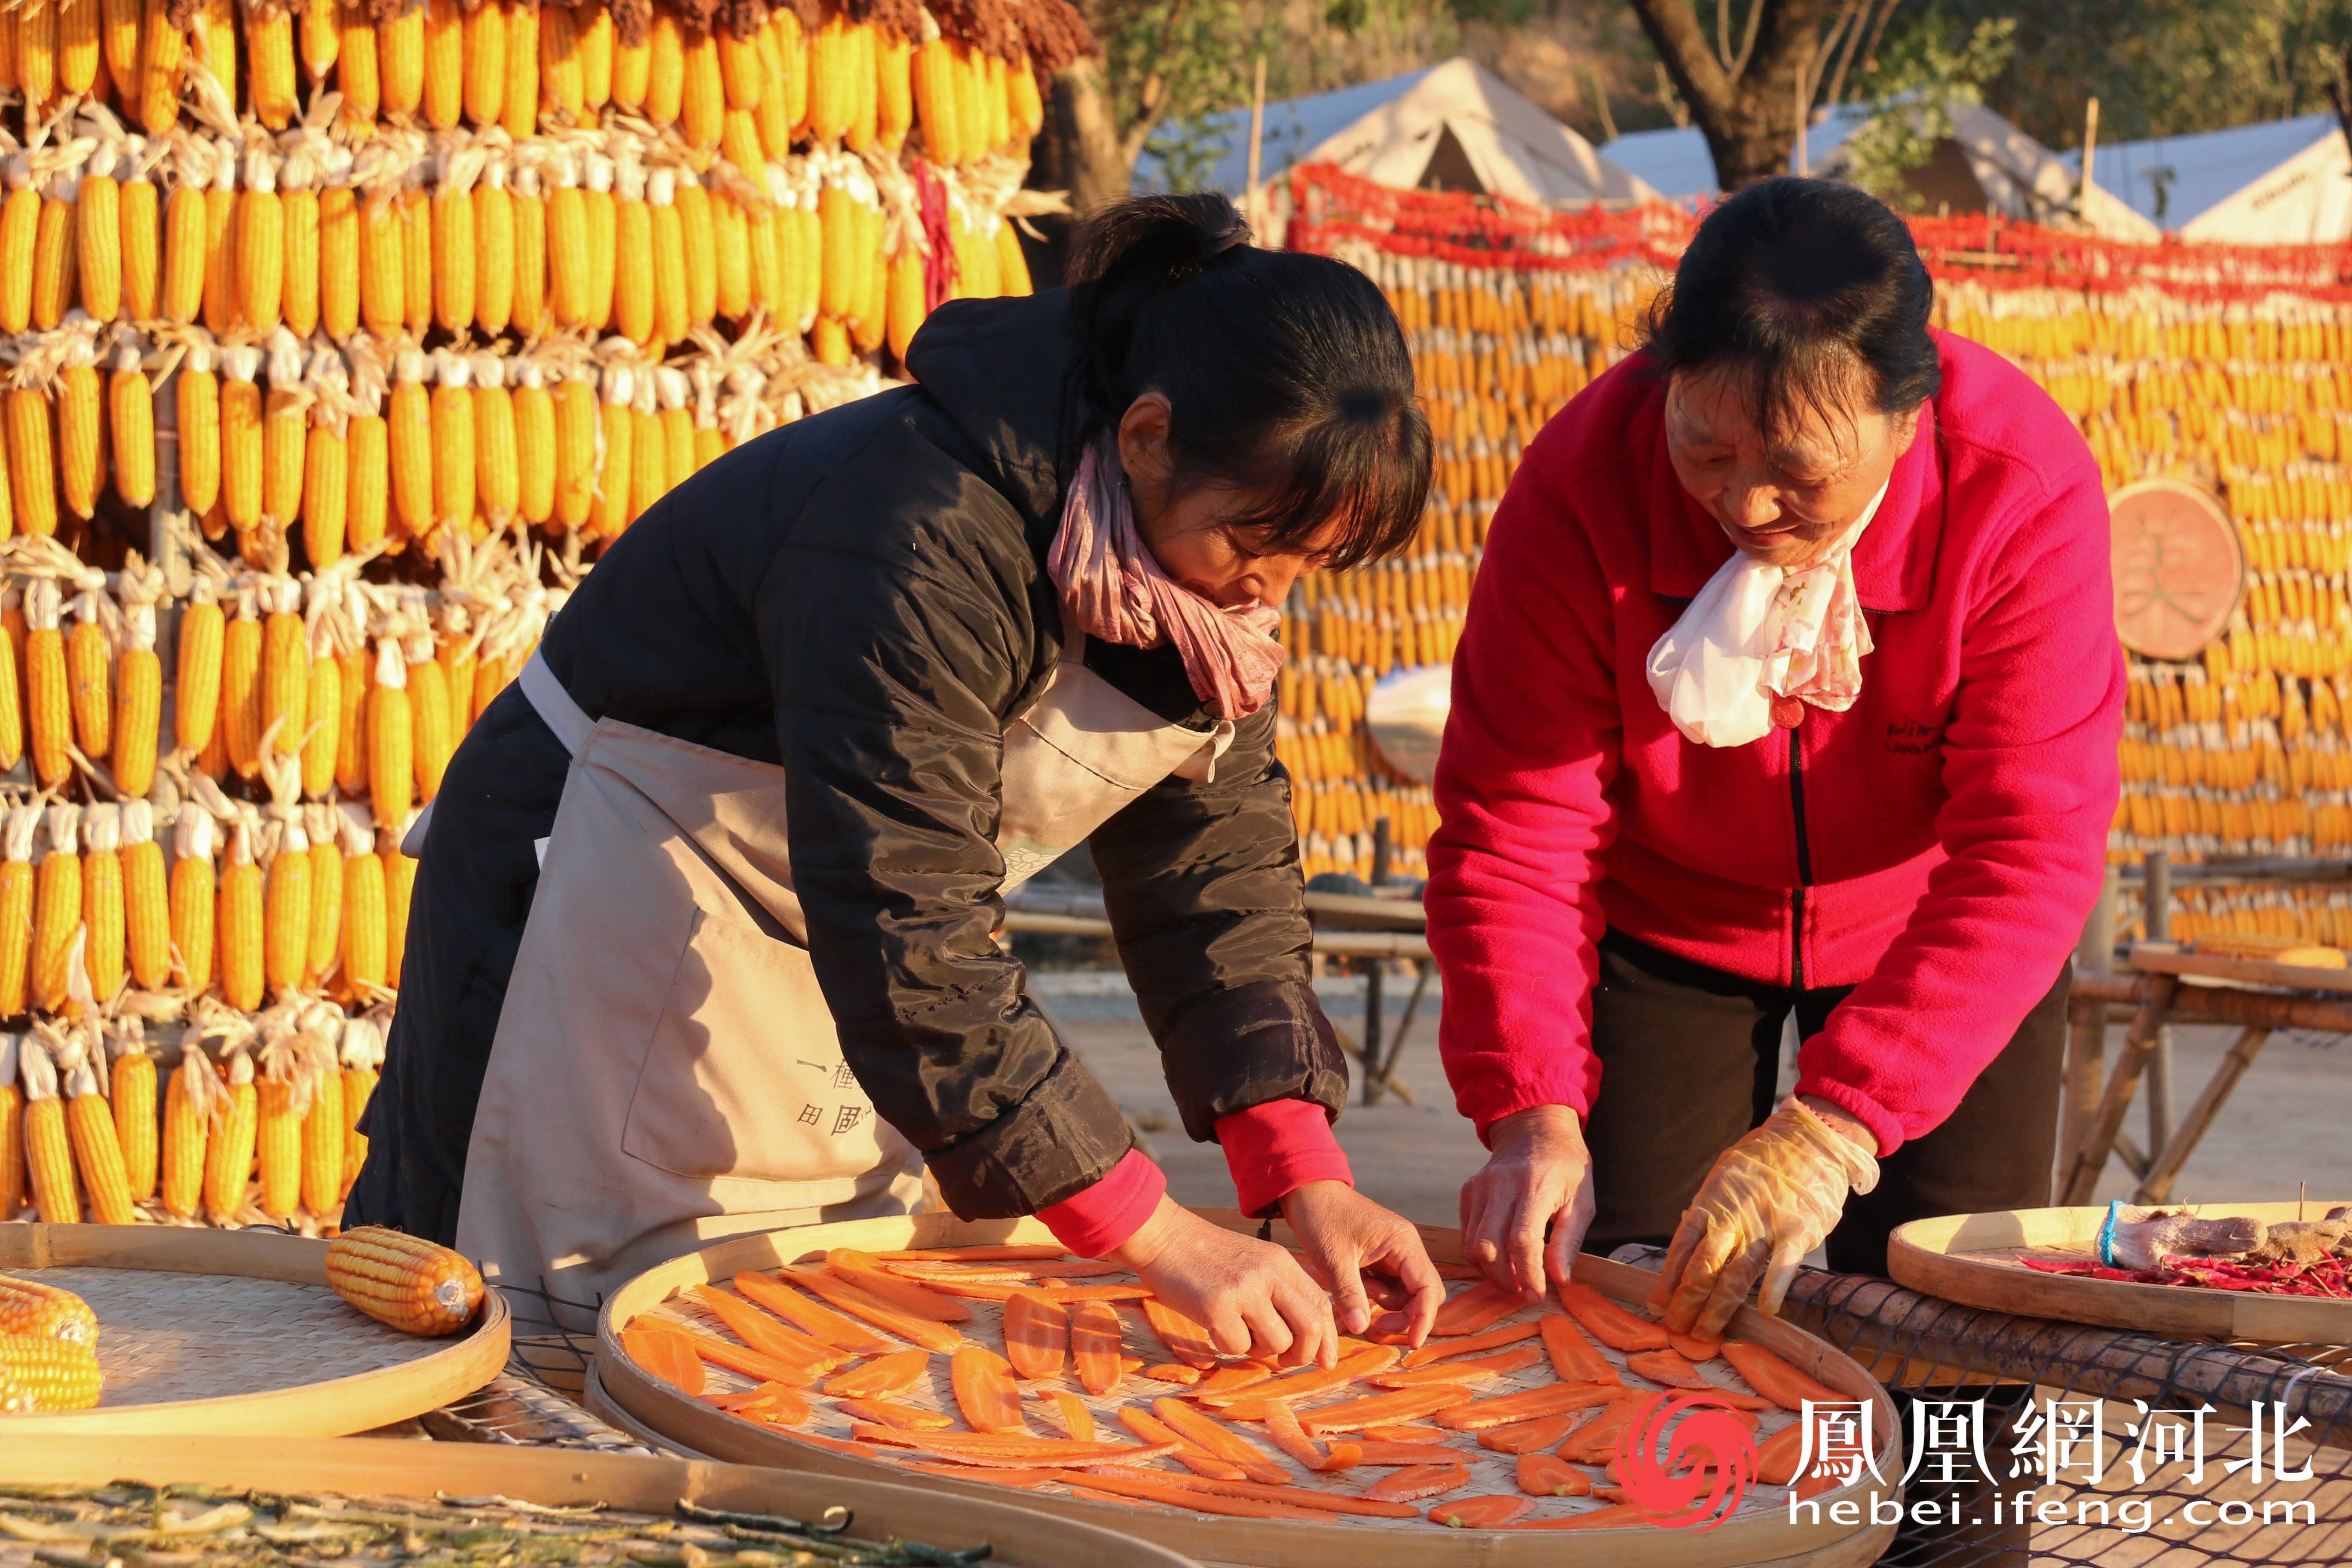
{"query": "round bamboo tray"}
{"type": "Point", "coordinates": [1972, 1258]}
{"type": "Point", "coordinates": [624, 1392]}
{"type": "Point", "coordinates": [236, 1331]}
{"type": "Point", "coordinates": [377, 1467]}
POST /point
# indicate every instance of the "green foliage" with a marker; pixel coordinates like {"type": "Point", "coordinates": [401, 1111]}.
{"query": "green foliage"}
{"type": "Point", "coordinates": [1935, 64]}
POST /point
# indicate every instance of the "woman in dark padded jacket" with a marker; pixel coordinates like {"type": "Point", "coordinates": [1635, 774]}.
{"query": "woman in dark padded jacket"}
{"type": "Point", "coordinates": [701, 938]}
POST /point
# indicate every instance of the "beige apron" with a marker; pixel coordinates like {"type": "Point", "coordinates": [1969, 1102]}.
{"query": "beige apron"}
{"type": "Point", "coordinates": [665, 1072]}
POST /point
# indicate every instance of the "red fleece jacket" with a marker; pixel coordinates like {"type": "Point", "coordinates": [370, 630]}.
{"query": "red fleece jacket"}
{"type": "Point", "coordinates": [1938, 845]}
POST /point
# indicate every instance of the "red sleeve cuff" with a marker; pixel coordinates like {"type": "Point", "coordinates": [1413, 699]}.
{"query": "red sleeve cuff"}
{"type": "Point", "coordinates": [1274, 1148]}
{"type": "Point", "coordinates": [1097, 1221]}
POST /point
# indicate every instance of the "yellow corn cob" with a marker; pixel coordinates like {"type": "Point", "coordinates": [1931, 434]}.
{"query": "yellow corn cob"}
{"type": "Point", "coordinates": [90, 677]}
{"type": "Point", "coordinates": [23, 824]}
{"type": "Point", "coordinates": [498, 462]}
{"type": "Point", "coordinates": [188, 1099]}
{"type": "Point", "coordinates": [567, 249]}
{"type": "Point", "coordinates": [358, 72]}
{"type": "Point", "coordinates": [391, 741]}
{"type": "Point", "coordinates": [320, 36]}
{"type": "Point", "coordinates": [483, 63]}
{"type": "Point", "coordinates": [838, 215]}
{"type": "Point", "coordinates": [773, 112]}
{"type": "Point", "coordinates": [739, 140]}
{"type": "Point", "coordinates": [362, 1050]}
{"type": "Point", "coordinates": [323, 1135]}
{"type": "Point", "coordinates": [139, 236]}
{"type": "Point", "coordinates": [456, 653]}
{"type": "Point", "coordinates": [445, 64]}
{"type": "Point", "coordinates": [451, 415]}
{"type": "Point", "coordinates": [56, 908]}
{"type": "Point", "coordinates": [676, 429]}
{"type": "Point", "coordinates": [971, 111]}
{"type": "Point", "coordinates": [156, 94]}
{"type": "Point", "coordinates": [453, 258]}
{"type": "Point", "coordinates": [664, 67]}
{"type": "Point", "coordinates": [648, 455]}
{"type": "Point", "coordinates": [416, 251]}
{"type": "Point", "coordinates": [326, 491]}
{"type": "Point", "coordinates": [399, 64]}
{"type": "Point", "coordinates": [80, 53]}
{"type": "Point", "coordinates": [241, 923]}
{"type": "Point", "coordinates": [560, 92]}
{"type": "Point", "coordinates": [592, 42]}
{"type": "Point", "coordinates": [20, 222]}
{"type": "Point", "coordinates": [185, 243]}
{"type": "Point", "coordinates": [603, 218]}
{"type": "Point", "coordinates": [134, 1117]}
{"type": "Point", "coordinates": [217, 20]}
{"type": "Point", "coordinates": [36, 58]}
{"type": "Point", "coordinates": [194, 900]}
{"type": "Point", "coordinates": [240, 692]}
{"type": "Point", "coordinates": [138, 702]}
{"type": "Point", "coordinates": [633, 271]}
{"type": "Point", "coordinates": [411, 422]}
{"type": "Point", "coordinates": [709, 445]}
{"type": "Point", "coordinates": [326, 889]}
{"type": "Point", "coordinates": [12, 695]}
{"type": "Point", "coordinates": [56, 1374]}
{"type": "Point", "coordinates": [702, 100]}
{"type": "Point", "coordinates": [935, 105]}
{"type": "Point", "coordinates": [528, 209]}
{"type": "Point", "coordinates": [197, 681]}
{"type": "Point", "coordinates": [730, 260]}
{"type": "Point", "coordinates": [339, 261]}
{"type": "Point", "coordinates": [866, 320]}
{"type": "Point", "coordinates": [790, 47]}
{"type": "Point", "coordinates": [905, 306]}
{"type": "Point", "coordinates": [242, 453]}
{"type": "Point", "coordinates": [353, 681]}
{"type": "Point", "coordinates": [130, 420]}
{"type": "Point", "coordinates": [767, 290]}
{"type": "Point", "coordinates": [285, 435]}
{"type": "Point", "coordinates": [298, 295]}
{"type": "Point", "coordinates": [993, 99]}
{"type": "Point", "coordinates": [612, 510]}
{"type": "Point", "coordinates": [410, 1283]}
{"type": "Point", "coordinates": [146, 900]}
{"type": "Point", "coordinates": [198, 399]}
{"type": "Point", "coordinates": [12, 1134]}
{"type": "Point", "coordinates": [367, 464]}
{"type": "Point", "coordinates": [518, 110]}
{"type": "Point", "coordinates": [220, 303]}
{"type": "Point", "coordinates": [260, 246]}
{"type": "Point", "coordinates": [531, 417]}
{"type": "Point", "coordinates": [228, 1152]}
{"type": "Point", "coordinates": [399, 883]}
{"type": "Point", "coordinates": [576, 421]}
{"type": "Point", "coordinates": [428, 703]}
{"type": "Point", "coordinates": [82, 429]}
{"type": "Point", "coordinates": [102, 908]}
{"type": "Point", "coordinates": [48, 1148]}
{"type": "Point", "coordinates": [285, 670]}
{"type": "Point", "coordinates": [494, 251]}
{"type": "Point", "coordinates": [740, 72]}
{"type": "Point", "coordinates": [286, 907]}
{"type": "Point", "coordinates": [43, 1311]}
{"type": "Point", "coordinates": [383, 264]}
{"type": "Point", "coordinates": [1024, 103]}
{"type": "Point", "coordinates": [118, 41]}
{"type": "Point", "coordinates": [894, 90]}
{"type": "Point", "coordinates": [270, 65]}
{"type": "Point", "coordinates": [632, 66]}
{"type": "Point", "coordinates": [364, 932]}
{"type": "Point", "coordinates": [833, 87]}
{"type": "Point", "coordinates": [98, 1152]}
{"type": "Point", "coordinates": [673, 312]}
{"type": "Point", "coordinates": [48, 701]}
{"type": "Point", "coordinates": [98, 234]}
{"type": "Point", "coordinates": [32, 469]}
{"type": "Point", "coordinates": [696, 251]}
{"type": "Point", "coordinates": [864, 86]}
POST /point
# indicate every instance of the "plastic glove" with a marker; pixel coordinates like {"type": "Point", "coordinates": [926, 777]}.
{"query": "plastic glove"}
{"type": "Point", "coordinates": [1770, 1200]}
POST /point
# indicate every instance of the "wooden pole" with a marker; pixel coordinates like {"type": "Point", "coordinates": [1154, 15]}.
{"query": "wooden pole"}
{"type": "Point", "coordinates": [2157, 893]}
{"type": "Point", "coordinates": [1253, 214]}
{"type": "Point", "coordinates": [2099, 1141]}
{"type": "Point", "coordinates": [2090, 156]}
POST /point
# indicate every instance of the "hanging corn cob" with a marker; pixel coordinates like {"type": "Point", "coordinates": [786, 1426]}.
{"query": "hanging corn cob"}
{"type": "Point", "coordinates": [103, 913]}
{"type": "Point", "coordinates": [324, 1127]}
{"type": "Point", "coordinates": [229, 1148]}
{"type": "Point", "coordinates": [146, 900]}
{"type": "Point", "coordinates": [12, 1130]}
{"type": "Point", "coordinates": [365, 977]}
{"type": "Point", "coordinates": [322, 825]}
{"type": "Point", "coordinates": [195, 1102]}
{"type": "Point", "coordinates": [194, 897]}
{"type": "Point", "coordinates": [49, 1147]}
{"type": "Point", "coordinates": [56, 908]}
{"type": "Point", "coordinates": [241, 923]}
{"type": "Point", "coordinates": [89, 1124]}
{"type": "Point", "coordinates": [286, 909]}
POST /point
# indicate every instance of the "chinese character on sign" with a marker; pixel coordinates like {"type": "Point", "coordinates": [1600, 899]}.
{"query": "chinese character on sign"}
{"type": "Point", "coordinates": [2280, 1432]}
{"type": "Point", "coordinates": [2162, 1437]}
{"type": "Point", "coordinates": [1947, 1442]}
{"type": "Point", "coordinates": [843, 1078]}
{"type": "Point", "coordinates": [2179, 568]}
{"type": "Point", "coordinates": [811, 1115]}
{"type": "Point", "coordinates": [847, 1118]}
{"type": "Point", "coordinates": [2062, 1437]}
{"type": "Point", "coordinates": [1837, 1440]}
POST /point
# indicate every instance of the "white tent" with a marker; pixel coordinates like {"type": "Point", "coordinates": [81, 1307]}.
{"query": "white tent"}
{"type": "Point", "coordinates": [1451, 127]}
{"type": "Point", "coordinates": [2284, 181]}
{"type": "Point", "coordinates": [1987, 165]}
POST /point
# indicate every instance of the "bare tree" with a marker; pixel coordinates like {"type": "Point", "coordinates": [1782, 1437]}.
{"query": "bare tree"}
{"type": "Point", "coordinates": [1751, 98]}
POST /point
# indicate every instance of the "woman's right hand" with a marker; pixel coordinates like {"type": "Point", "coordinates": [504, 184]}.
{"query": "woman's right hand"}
{"type": "Point", "coordinates": [1538, 1178]}
{"type": "Point", "coordinates": [1248, 1294]}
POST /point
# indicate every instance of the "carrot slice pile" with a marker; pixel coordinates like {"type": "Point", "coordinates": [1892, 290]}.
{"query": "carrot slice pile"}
{"type": "Point", "coordinates": [1222, 1441]}
{"type": "Point", "coordinates": [1492, 1340]}
{"type": "Point", "coordinates": [1095, 1347]}
{"type": "Point", "coordinates": [885, 1413]}
{"type": "Point", "coordinates": [1163, 1490]}
{"type": "Point", "coordinates": [859, 1303]}
{"type": "Point", "coordinates": [1776, 1380]}
{"type": "Point", "coordinates": [1595, 1442]}
{"type": "Point", "coordinates": [1186, 1341]}
{"type": "Point", "coordinates": [1367, 1506]}
{"type": "Point", "coordinates": [1405, 1404]}
{"type": "Point", "coordinates": [749, 1362]}
{"type": "Point", "coordinates": [1690, 1347]}
{"type": "Point", "coordinates": [762, 1332]}
{"type": "Point", "coordinates": [1666, 1366]}
{"type": "Point", "coordinates": [1551, 1399]}
{"type": "Point", "coordinates": [817, 1321]}
{"type": "Point", "coordinates": [1282, 1426]}
{"type": "Point", "coordinates": [1076, 1420]}
{"type": "Point", "coordinates": [1549, 1475]}
{"type": "Point", "coordinates": [1527, 1436]}
{"type": "Point", "coordinates": [1493, 1511]}
{"type": "Point", "coordinates": [1251, 1404]}
{"type": "Point", "coordinates": [892, 1374]}
{"type": "Point", "coordinates": [1417, 1481]}
{"type": "Point", "coordinates": [1476, 1369]}
{"type": "Point", "coordinates": [984, 1390]}
{"type": "Point", "coordinates": [1574, 1358]}
{"type": "Point", "coordinates": [1189, 1454]}
{"type": "Point", "coordinates": [1037, 1335]}
{"type": "Point", "coordinates": [861, 1270]}
{"type": "Point", "coordinates": [1607, 1321]}
{"type": "Point", "coordinates": [1480, 1307]}
{"type": "Point", "coordinates": [664, 1351]}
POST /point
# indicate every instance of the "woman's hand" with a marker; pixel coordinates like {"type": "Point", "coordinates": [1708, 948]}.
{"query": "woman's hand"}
{"type": "Point", "coordinates": [1250, 1295]}
{"type": "Point", "coordinates": [1363, 1254]}
{"type": "Point", "coordinates": [1538, 1178]}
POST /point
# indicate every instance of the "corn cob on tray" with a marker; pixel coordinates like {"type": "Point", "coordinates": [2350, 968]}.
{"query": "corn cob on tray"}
{"type": "Point", "coordinates": [1006, 1363]}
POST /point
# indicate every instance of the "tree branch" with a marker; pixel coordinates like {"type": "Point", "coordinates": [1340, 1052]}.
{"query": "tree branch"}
{"type": "Point", "coordinates": [1870, 51]}
{"type": "Point", "coordinates": [1852, 38]}
{"type": "Point", "coordinates": [1747, 43]}
{"type": "Point", "coordinates": [1152, 97]}
{"type": "Point", "coordinates": [1682, 48]}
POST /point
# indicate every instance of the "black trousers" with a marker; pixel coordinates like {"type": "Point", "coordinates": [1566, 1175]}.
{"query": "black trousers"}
{"type": "Point", "coordinates": [1690, 1061]}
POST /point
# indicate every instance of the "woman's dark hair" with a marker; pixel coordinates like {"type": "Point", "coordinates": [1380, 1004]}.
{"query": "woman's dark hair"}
{"type": "Point", "coordinates": [1803, 286]}
{"type": "Point", "coordinates": [1283, 371]}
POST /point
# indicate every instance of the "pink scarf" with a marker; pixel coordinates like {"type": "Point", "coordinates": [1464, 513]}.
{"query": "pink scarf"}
{"type": "Point", "coordinates": [1113, 589]}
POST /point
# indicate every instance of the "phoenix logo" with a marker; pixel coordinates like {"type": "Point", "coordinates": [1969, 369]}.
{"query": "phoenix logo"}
{"type": "Point", "coordinates": [1707, 1467]}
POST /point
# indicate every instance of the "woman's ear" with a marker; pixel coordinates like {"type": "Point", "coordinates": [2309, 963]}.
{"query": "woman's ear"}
{"type": "Point", "coordinates": [1143, 441]}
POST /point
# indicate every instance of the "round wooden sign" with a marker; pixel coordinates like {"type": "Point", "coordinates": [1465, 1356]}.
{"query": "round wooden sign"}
{"type": "Point", "coordinates": [2179, 567]}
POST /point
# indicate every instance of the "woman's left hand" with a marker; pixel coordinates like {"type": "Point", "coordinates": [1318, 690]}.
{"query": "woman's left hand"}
{"type": "Point", "coordinates": [1363, 1253]}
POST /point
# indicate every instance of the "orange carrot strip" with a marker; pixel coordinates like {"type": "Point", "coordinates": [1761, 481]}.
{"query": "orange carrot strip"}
{"type": "Point", "coordinates": [664, 1351]}
{"type": "Point", "coordinates": [1405, 1404]}
{"type": "Point", "coordinates": [1493, 1338]}
{"type": "Point", "coordinates": [928, 1332]}
{"type": "Point", "coordinates": [1017, 1456]}
{"type": "Point", "coordinates": [765, 1334]}
{"type": "Point", "coordinates": [885, 1413]}
{"type": "Point", "coordinates": [749, 1362]}
{"type": "Point", "coordinates": [1477, 1369]}
{"type": "Point", "coordinates": [1479, 1308]}
{"type": "Point", "coordinates": [819, 1321]}
{"type": "Point", "coordinates": [1574, 1358]}
{"type": "Point", "coordinates": [1666, 1366]}
{"type": "Point", "coordinates": [1692, 1348]}
{"type": "Point", "coordinates": [1776, 1457]}
{"type": "Point", "coordinates": [984, 1390]}
{"type": "Point", "coordinates": [1776, 1380]}
{"type": "Point", "coordinates": [1525, 1437]}
{"type": "Point", "coordinates": [1222, 1441]}
{"type": "Point", "coordinates": [1493, 1511]}
{"type": "Point", "coordinates": [1405, 1434]}
{"type": "Point", "coordinates": [892, 1374]}
{"type": "Point", "coordinates": [1622, 1516]}
{"type": "Point", "coordinates": [1553, 1399]}
{"type": "Point", "coordinates": [774, 1403]}
{"type": "Point", "coordinates": [1251, 1403]}
{"type": "Point", "coordinates": [861, 1270]}
{"type": "Point", "coordinates": [1376, 1451]}
{"type": "Point", "coordinates": [1037, 1335]}
{"type": "Point", "coordinates": [1162, 1489]}
{"type": "Point", "coordinates": [1173, 1371]}
{"type": "Point", "coordinates": [1282, 1426]}
{"type": "Point", "coordinates": [1420, 1481]}
{"type": "Point", "coordinates": [980, 1290]}
{"type": "Point", "coordinates": [863, 1450]}
{"type": "Point", "coordinates": [1366, 1506]}
{"type": "Point", "coordinates": [1095, 1347]}
{"type": "Point", "coordinates": [1021, 1252]}
{"type": "Point", "coordinates": [1549, 1475]}
{"type": "Point", "coordinates": [994, 1477]}
{"type": "Point", "coordinates": [1186, 1341]}
{"type": "Point", "coordinates": [1607, 1321]}
{"type": "Point", "coordinates": [1071, 1410]}
{"type": "Point", "coordinates": [1230, 1376]}
{"type": "Point", "coordinates": [932, 1275]}
{"type": "Point", "coordinates": [1097, 1292]}
{"type": "Point", "coordinates": [1189, 1454]}
{"type": "Point", "coordinates": [1595, 1442]}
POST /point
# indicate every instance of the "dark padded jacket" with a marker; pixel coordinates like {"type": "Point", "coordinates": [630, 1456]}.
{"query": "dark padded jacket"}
{"type": "Point", "coordinates": [862, 596]}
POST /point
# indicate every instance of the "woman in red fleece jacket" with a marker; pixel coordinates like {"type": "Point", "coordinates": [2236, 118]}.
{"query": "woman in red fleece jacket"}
{"type": "Point", "coordinates": [1789, 685]}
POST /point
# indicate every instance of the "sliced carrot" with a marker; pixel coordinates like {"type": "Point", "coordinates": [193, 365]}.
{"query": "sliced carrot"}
{"type": "Point", "coordinates": [1186, 1341]}
{"type": "Point", "coordinates": [1525, 1437]}
{"type": "Point", "coordinates": [863, 1450]}
{"type": "Point", "coordinates": [1014, 1455]}
{"type": "Point", "coordinates": [1282, 1426]}
{"type": "Point", "coordinates": [1072, 1411]}
{"type": "Point", "coordinates": [994, 1477]}
{"type": "Point", "coordinates": [1037, 1335]}
{"type": "Point", "coordinates": [1493, 1511]}
{"type": "Point", "coordinates": [1476, 1369]}
{"type": "Point", "coordinates": [1595, 1442]}
{"type": "Point", "coordinates": [772, 1402]}
{"type": "Point", "coordinates": [1776, 1380]}
{"type": "Point", "coordinates": [1222, 1441]}
{"type": "Point", "coordinates": [1251, 1404]}
{"type": "Point", "coordinates": [1459, 1271]}
{"type": "Point", "coordinates": [932, 1275]}
{"type": "Point", "coordinates": [1480, 1307]}
{"type": "Point", "coordinates": [1189, 1454]}
{"type": "Point", "coordinates": [1776, 1457]}
{"type": "Point", "coordinates": [1162, 1489]}
{"type": "Point", "coordinates": [1405, 1434]}
{"type": "Point", "coordinates": [984, 1390]}
{"type": "Point", "coordinates": [1173, 1371]}
{"type": "Point", "coordinates": [1551, 1399]}
{"type": "Point", "coordinates": [762, 1332]}
{"type": "Point", "coordinates": [817, 1321]}
{"type": "Point", "coordinates": [1493, 1338]}
{"type": "Point", "coordinates": [1097, 1292]}
{"type": "Point", "coordinates": [664, 1351]}
{"type": "Point", "coordinates": [1666, 1366]}
{"type": "Point", "coordinates": [859, 1303]}
{"type": "Point", "coordinates": [1228, 1377]}
{"type": "Point", "coordinates": [887, 1412]}
{"type": "Point", "coordinates": [892, 1374]}
{"type": "Point", "coordinates": [1296, 1496]}
{"type": "Point", "coordinates": [1622, 1516]}
{"type": "Point", "coordinates": [1690, 1347]}
{"type": "Point", "coordinates": [745, 1399]}
{"type": "Point", "coordinates": [1377, 1451]}
{"type": "Point", "coordinates": [1549, 1475]}
{"type": "Point", "coordinates": [1405, 1404]}
{"type": "Point", "coordinates": [1420, 1481]}
{"type": "Point", "coordinates": [1817, 1483]}
{"type": "Point", "coordinates": [861, 1269]}
{"type": "Point", "coordinates": [749, 1362]}
{"type": "Point", "coordinates": [1073, 1268]}
{"type": "Point", "coordinates": [1021, 1252]}
{"type": "Point", "coordinates": [1574, 1358]}
{"type": "Point", "coordinates": [980, 1290]}
{"type": "Point", "coordinates": [1095, 1347]}
{"type": "Point", "coordinates": [1607, 1321]}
